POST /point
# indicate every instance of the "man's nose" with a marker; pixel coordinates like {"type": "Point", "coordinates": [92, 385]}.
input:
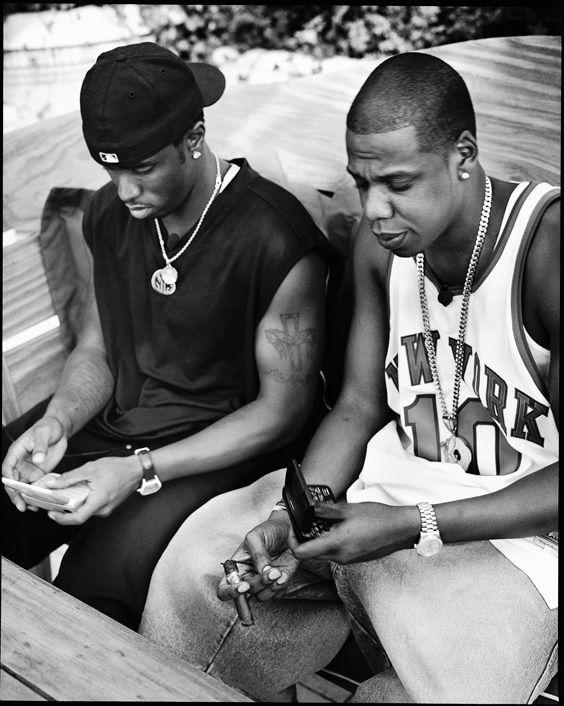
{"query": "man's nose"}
{"type": "Point", "coordinates": [377, 204]}
{"type": "Point", "coordinates": [128, 187]}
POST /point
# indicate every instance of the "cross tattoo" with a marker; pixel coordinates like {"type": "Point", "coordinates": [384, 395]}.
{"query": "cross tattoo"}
{"type": "Point", "coordinates": [291, 342]}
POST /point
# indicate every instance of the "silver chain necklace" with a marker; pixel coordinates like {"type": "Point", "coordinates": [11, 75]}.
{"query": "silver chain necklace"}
{"type": "Point", "coordinates": [454, 449]}
{"type": "Point", "coordinates": [164, 279]}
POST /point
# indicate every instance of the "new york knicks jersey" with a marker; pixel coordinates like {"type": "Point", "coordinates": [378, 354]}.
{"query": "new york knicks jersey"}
{"type": "Point", "coordinates": [504, 414]}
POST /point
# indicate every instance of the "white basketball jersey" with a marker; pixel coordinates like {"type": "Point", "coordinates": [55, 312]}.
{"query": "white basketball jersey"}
{"type": "Point", "coordinates": [504, 414]}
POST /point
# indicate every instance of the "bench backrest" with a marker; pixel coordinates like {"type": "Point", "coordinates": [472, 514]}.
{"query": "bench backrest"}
{"type": "Point", "coordinates": [293, 134]}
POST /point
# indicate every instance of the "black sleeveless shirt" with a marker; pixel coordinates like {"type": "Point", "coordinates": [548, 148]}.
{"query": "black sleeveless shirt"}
{"type": "Point", "coordinates": [183, 361]}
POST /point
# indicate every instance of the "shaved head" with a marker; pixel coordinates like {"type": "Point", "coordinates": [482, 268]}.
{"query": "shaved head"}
{"type": "Point", "coordinates": [414, 89]}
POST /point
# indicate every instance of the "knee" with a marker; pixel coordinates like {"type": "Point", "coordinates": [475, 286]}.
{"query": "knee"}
{"type": "Point", "coordinates": [182, 603]}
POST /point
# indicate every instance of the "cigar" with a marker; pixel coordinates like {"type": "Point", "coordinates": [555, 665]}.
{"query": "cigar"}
{"type": "Point", "coordinates": [241, 603]}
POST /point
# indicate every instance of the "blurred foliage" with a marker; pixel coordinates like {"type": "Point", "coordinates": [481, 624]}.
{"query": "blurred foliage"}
{"type": "Point", "coordinates": [195, 31]}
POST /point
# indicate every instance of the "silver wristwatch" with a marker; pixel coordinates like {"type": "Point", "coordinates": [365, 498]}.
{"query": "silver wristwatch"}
{"type": "Point", "coordinates": [430, 541]}
{"type": "Point", "coordinates": [150, 483]}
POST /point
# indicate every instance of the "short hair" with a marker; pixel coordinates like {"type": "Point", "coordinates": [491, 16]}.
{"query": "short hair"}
{"type": "Point", "coordinates": [414, 89]}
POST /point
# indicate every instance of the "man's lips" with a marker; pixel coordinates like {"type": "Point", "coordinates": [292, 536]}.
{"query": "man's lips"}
{"type": "Point", "coordinates": [385, 236]}
{"type": "Point", "coordinates": [391, 240]}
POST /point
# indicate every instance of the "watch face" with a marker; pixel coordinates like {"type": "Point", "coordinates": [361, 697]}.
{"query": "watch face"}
{"type": "Point", "coordinates": [429, 545]}
{"type": "Point", "coordinates": [148, 487]}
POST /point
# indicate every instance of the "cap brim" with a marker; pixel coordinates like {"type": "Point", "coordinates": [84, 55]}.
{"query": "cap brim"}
{"type": "Point", "coordinates": [210, 81]}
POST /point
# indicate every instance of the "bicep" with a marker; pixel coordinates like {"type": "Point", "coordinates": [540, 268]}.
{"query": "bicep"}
{"type": "Point", "coordinates": [290, 337]}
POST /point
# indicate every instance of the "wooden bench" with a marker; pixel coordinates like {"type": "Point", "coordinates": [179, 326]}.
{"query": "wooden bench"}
{"type": "Point", "coordinates": [294, 134]}
{"type": "Point", "coordinates": [56, 648]}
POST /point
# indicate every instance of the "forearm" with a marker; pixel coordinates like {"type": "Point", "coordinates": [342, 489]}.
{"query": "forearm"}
{"type": "Point", "coordinates": [85, 387]}
{"type": "Point", "coordinates": [336, 453]}
{"type": "Point", "coordinates": [525, 508]}
{"type": "Point", "coordinates": [246, 433]}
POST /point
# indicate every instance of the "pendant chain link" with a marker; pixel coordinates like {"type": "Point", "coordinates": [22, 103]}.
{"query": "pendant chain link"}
{"type": "Point", "coordinates": [451, 420]}
{"type": "Point", "coordinates": [217, 186]}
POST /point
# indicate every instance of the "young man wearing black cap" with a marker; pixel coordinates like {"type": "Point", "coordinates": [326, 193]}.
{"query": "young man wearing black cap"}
{"type": "Point", "coordinates": [198, 361]}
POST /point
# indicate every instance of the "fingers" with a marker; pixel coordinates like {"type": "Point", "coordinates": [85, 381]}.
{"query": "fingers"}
{"type": "Point", "coordinates": [16, 499]}
{"type": "Point", "coordinates": [227, 592]}
{"type": "Point", "coordinates": [44, 434]}
{"type": "Point", "coordinates": [64, 480]}
{"type": "Point", "coordinates": [257, 551]}
{"type": "Point", "coordinates": [321, 547]}
{"type": "Point", "coordinates": [33, 446]}
{"type": "Point", "coordinates": [274, 582]}
{"type": "Point", "coordinates": [77, 517]}
{"type": "Point", "coordinates": [330, 511]}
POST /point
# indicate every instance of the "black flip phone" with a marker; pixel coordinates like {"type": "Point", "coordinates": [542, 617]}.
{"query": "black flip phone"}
{"type": "Point", "coordinates": [299, 498]}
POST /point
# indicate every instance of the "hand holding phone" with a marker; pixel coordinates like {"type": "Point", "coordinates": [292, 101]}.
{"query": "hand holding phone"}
{"type": "Point", "coordinates": [300, 503]}
{"type": "Point", "coordinates": [61, 499]}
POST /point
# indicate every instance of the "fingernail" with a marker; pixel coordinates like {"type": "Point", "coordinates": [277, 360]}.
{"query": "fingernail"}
{"type": "Point", "coordinates": [266, 568]}
{"type": "Point", "coordinates": [38, 457]}
{"type": "Point", "coordinates": [283, 578]}
{"type": "Point", "coordinates": [242, 588]}
{"type": "Point", "coordinates": [274, 574]}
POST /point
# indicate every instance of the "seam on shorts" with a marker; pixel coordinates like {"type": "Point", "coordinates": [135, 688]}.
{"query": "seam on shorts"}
{"type": "Point", "coordinates": [221, 643]}
{"type": "Point", "coordinates": [542, 679]}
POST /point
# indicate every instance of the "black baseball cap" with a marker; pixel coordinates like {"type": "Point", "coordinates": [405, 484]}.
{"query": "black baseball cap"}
{"type": "Point", "coordinates": [139, 98]}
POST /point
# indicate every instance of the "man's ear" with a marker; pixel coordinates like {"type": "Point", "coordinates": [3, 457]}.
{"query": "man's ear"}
{"type": "Point", "coordinates": [467, 151]}
{"type": "Point", "coordinates": [195, 137]}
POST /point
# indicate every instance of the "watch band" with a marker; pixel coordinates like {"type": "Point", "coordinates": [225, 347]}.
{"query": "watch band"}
{"type": "Point", "coordinates": [150, 482]}
{"type": "Point", "coordinates": [428, 518]}
{"type": "Point", "coordinates": [430, 542]}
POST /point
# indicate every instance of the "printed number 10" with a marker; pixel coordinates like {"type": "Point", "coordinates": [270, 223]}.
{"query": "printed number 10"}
{"type": "Point", "coordinates": [491, 453]}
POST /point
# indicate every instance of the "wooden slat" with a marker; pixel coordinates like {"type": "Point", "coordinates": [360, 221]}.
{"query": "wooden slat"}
{"type": "Point", "coordinates": [10, 405]}
{"type": "Point", "coordinates": [11, 689]}
{"type": "Point", "coordinates": [316, 689]}
{"type": "Point", "coordinates": [515, 84]}
{"type": "Point", "coordinates": [31, 373]}
{"type": "Point", "coordinates": [25, 293]}
{"type": "Point", "coordinates": [74, 653]}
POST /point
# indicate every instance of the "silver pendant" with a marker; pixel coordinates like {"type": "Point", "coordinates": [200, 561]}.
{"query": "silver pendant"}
{"type": "Point", "coordinates": [169, 274]}
{"type": "Point", "coordinates": [455, 450]}
{"type": "Point", "coordinates": [160, 284]}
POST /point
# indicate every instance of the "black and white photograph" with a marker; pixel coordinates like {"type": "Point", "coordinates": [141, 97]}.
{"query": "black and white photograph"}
{"type": "Point", "coordinates": [280, 353]}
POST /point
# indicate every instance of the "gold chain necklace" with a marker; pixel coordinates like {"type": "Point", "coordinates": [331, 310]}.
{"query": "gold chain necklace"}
{"type": "Point", "coordinates": [454, 449]}
{"type": "Point", "coordinates": [164, 279]}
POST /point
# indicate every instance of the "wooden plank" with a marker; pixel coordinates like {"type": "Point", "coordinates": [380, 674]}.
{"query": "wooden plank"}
{"type": "Point", "coordinates": [515, 84]}
{"type": "Point", "coordinates": [316, 689]}
{"type": "Point", "coordinates": [25, 293]}
{"type": "Point", "coordinates": [71, 652]}
{"type": "Point", "coordinates": [12, 689]}
{"type": "Point", "coordinates": [10, 406]}
{"type": "Point", "coordinates": [31, 373]}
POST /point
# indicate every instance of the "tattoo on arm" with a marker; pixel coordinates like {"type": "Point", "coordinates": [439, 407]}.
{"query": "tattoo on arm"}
{"type": "Point", "coordinates": [295, 345]}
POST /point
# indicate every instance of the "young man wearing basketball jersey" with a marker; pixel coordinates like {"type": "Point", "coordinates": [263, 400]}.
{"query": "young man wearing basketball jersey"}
{"type": "Point", "coordinates": [442, 448]}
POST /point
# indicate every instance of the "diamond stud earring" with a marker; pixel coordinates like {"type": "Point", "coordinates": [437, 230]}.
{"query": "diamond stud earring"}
{"type": "Point", "coordinates": [196, 154]}
{"type": "Point", "coordinates": [464, 175]}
